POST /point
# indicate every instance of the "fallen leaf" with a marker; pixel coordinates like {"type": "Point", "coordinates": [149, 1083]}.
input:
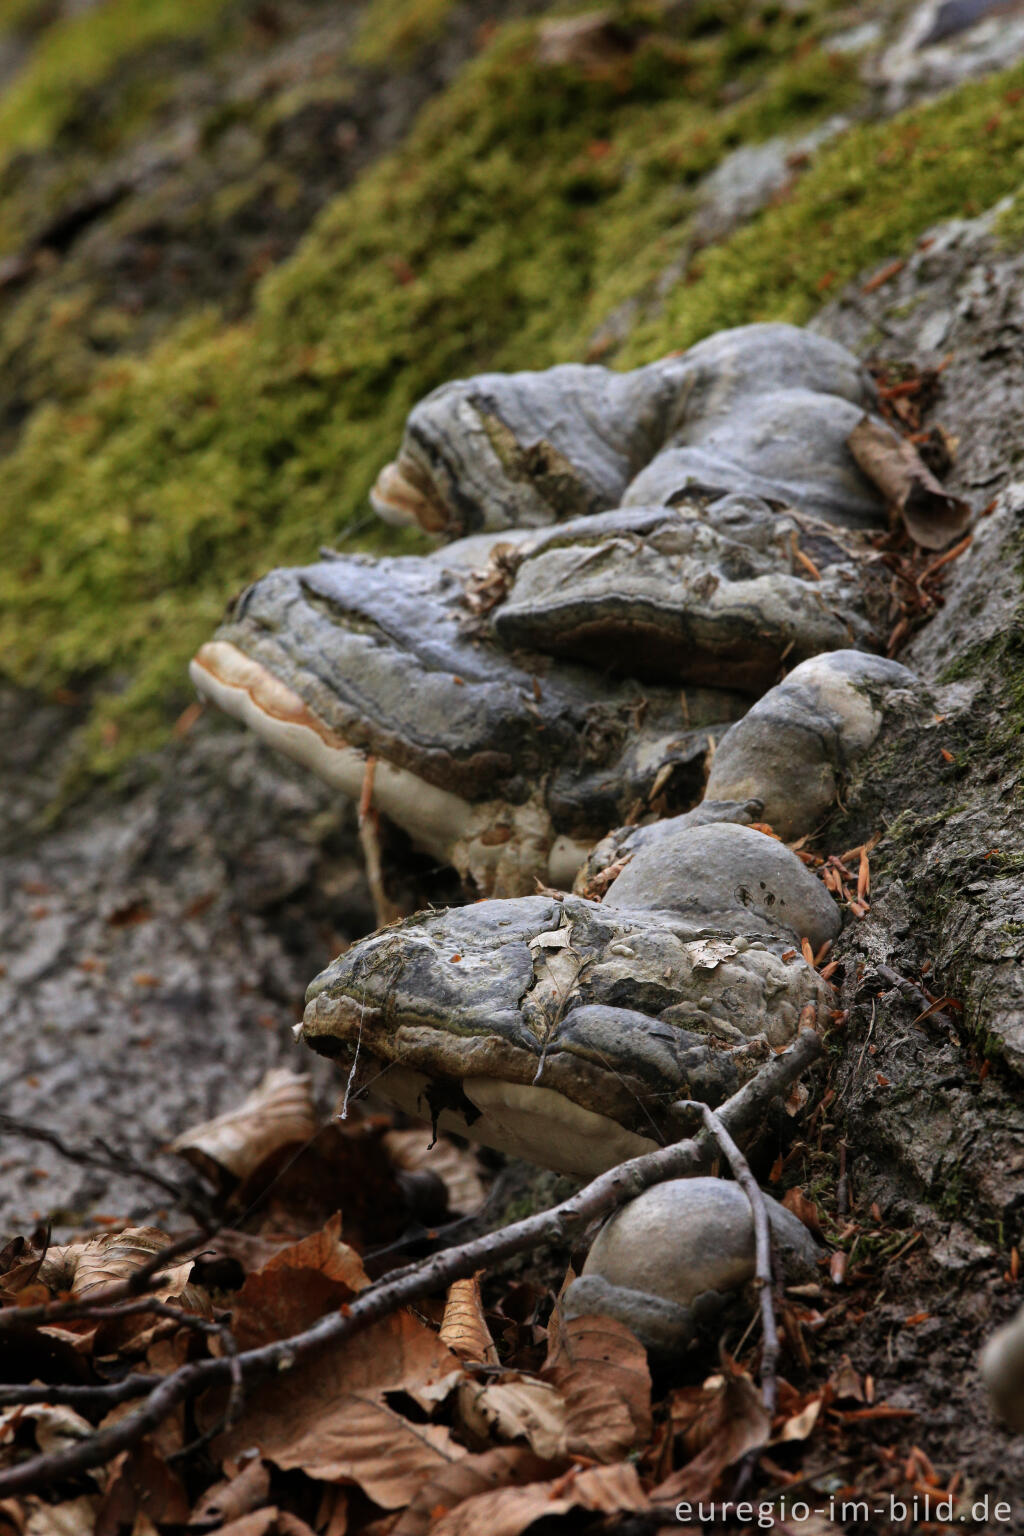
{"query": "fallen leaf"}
{"type": "Point", "coordinates": [458, 1170]}
{"type": "Point", "coordinates": [463, 1328]}
{"type": "Point", "coordinates": [54, 1428]}
{"type": "Point", "coordinates": [142, 1485]}
{"type": "Point", "coordinates": [600, 1368]}
{"type": "Point", "coordinates": [799, 1426]}
{"type": "Point", "coordinates": [931, 515]}
{"type": "Point", "coordinates": [75, 1517]}
{"type": "Point", "coordinates": [845, 1382]}
{"type": "Point", "coordinates": [277, 1114]}
{"type": "Point", "coordinates": [259, 1523]}
{"type": "Point", "coordinates": [796, 1201]}
{"type": "Point", "coordinates": [516, 1407]}
{"type": "Point", "coordinates": [330, 1416]}
{"type": "Point", "coordinates": [297, 1285]}
{"type": "Point", "coordinates": [607, 1490]}
{"type": "Point", "coordinates": [234, 1497]}
{"type": "Point", "coordinates": [730, 1420]}
{"type": "Point", "coordinates": [503, 1467]}
{"type": "Point", "coordinates": [87, 1268]}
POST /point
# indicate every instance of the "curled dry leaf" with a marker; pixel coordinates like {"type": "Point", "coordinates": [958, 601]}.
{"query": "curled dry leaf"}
{"type": "Point", "coordinates": [799, 1425]}
{"type": "Point", "coordinates": [845, 1382]}
{"type": "Point", "coordinates": [236, 1496]}
{"type": "Point", "coordinates": [331, 1418]}
{"type": "Point", "coordinates": [796, 1201]}
{"type": "Point", "coordinates": [75, 1517]}
{"type": "Point", "coordinates": [86, 1269]}
{"type": "Point", "coordinates": [728, 1419]}
{"type": "Point", "coordinates": [458, 1170]}
{"type": "Point", "coordinates": [504, 1467]}
{"type": "Point", "coordinates": [53, 1427]}
{"type": "Point", "coordinates": [19, 1265]}
{"type": "Point", "coordinates": [279, 1113]}
{"type": "Point", "coordinates": [296, 1286]}
{"type": "Point", "coordinates": [600, 1368]}
{"type": "Point", "coordinates": [932, 517]}
{"type": "Point", "coordinates": [608, 1490]}
{"type": "Point", "coordinates": [463, 1327]}
{"type": "Point", "coordinates": [515, 1408]}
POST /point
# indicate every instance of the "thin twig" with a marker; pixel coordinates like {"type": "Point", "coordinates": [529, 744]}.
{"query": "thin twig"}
{"type": "Point", "coordinates": [17, 1319]}
{"type": "Point", "coordinates": [763, 1279]}
{"type": "Point", "coordinates": [604, 1194]}
{"type": "Point", "coordinates": [916, 995]}
{"type": "Point", "coordinates": [100, 1154]}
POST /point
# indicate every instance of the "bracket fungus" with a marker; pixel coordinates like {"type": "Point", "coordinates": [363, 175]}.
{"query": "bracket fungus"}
{"type": "Point", "coordinates": [792, 748]}
{"type": "Point", "coordinates": [560, 1030]}
{"type": "Point", "coordinates": [637, 557]}
{"type": "Point", "coordinates": [764, 409]}
{"type": "Point", "coordinates": [669, 1260]}
{"type": "Point", "coordinates": [529, 686]}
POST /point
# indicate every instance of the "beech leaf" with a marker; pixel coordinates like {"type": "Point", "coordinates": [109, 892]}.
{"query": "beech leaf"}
{"type": "Point", "coordinates": [600, 1368]}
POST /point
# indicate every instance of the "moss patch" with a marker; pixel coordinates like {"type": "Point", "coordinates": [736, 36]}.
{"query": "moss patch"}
{"type": "Point", "coordinates": [497, 236]}
{"type": "Point", "coordinates": [394, 29]}
{"type": "Point", "coordinates": [528, 203]}
{"type": "Point", "coordinates": [79, 50]}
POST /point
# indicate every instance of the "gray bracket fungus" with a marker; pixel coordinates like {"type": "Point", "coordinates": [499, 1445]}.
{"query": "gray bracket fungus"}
{"type": "Point", "coordinates": [507, 764]}
{"type": "Point", "coordinates": [560, 1030]}
{"type": "Point", "coordinates": [670, 1259]}
{"type": "Point", "coordinates": [715, 594]}
{"type": "Point", "coordinates": [505, 738]}
{"type": "Point", "coordinates": [764, 409]}
{"type": "Point", "coordinates": [792, 748]}
{"type": "Point", "coordinates": [730, 874]}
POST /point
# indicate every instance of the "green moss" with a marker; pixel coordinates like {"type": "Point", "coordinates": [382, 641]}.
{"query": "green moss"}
{"type": "Point", "coordinates": [524, 202]}
{"type": "Point", "coordinates": [79, 50]}
{"type": "Point", "coordinates": [526, 205]}
{"type": "Point", "coordinates": [867, 197]}
{"type": "Point", "coordinates": [391, 30]}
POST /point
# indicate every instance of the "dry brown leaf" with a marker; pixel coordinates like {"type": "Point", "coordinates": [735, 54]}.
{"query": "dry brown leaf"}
{"type": "Point", "coordinates": [329, 1416]}
{"type": "Point", "coordinates": [796, 1201]}
{"type": "Point", "coordinates": [799, 1425]}
{"type": "Point", "coordinates": [729, 1420]}
{"type": "Point", "coordinates": [600, 1368]}
{"type": "Point", "coordinates": [279, 1113]}
{"type": "Point", "coordinates": [142, 1485]}
{"type": "Point", "coordinates": [609, 1490]}
{"type": "Point", "coordinates": [258, 1523]}
{"type": "Point", "coordinates": [76, 1517]}
{"type": "Point", "coordinates": [463, 1327]}
{"type": "Point", "coordinates": [458, 1170]}
{"type": "Point", "coordinates": [19, 1265]}
{"type": "Point", "coordinates": [296, 1286]}
{"type": "Point", "coordinates": [503, 1467]}
{"type": "Point", "coordinates": [234, 1497]}
{"type": "Point", "coordinates": [332, 1515]}
{"type": "Point", "coordinates": [86, 1268]}
{"type": "Point", "coordinates": [54, 1428]}
{"type": "Point", "coordinates": [845, 1382]}
{"type": "Point", "coordinates": [931, 515]}
{"type": "Point", "coordinates": [514, 1408]}
{"type": "Point", "coordinates": [12, 1517]}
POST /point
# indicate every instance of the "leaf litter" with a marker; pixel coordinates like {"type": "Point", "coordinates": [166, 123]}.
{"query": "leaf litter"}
{"type": "Point", "coordinates": [478, 1418]}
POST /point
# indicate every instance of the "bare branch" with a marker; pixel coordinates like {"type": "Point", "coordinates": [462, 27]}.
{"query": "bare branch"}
{"type": "Point", "coordinates": [17, 1319]}
{"type": "Point", "coordinates": [603, 1195]}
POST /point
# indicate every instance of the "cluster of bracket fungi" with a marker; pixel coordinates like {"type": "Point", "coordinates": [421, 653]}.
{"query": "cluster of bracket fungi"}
{"type": "Point", "coordinates": [651, 632]}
